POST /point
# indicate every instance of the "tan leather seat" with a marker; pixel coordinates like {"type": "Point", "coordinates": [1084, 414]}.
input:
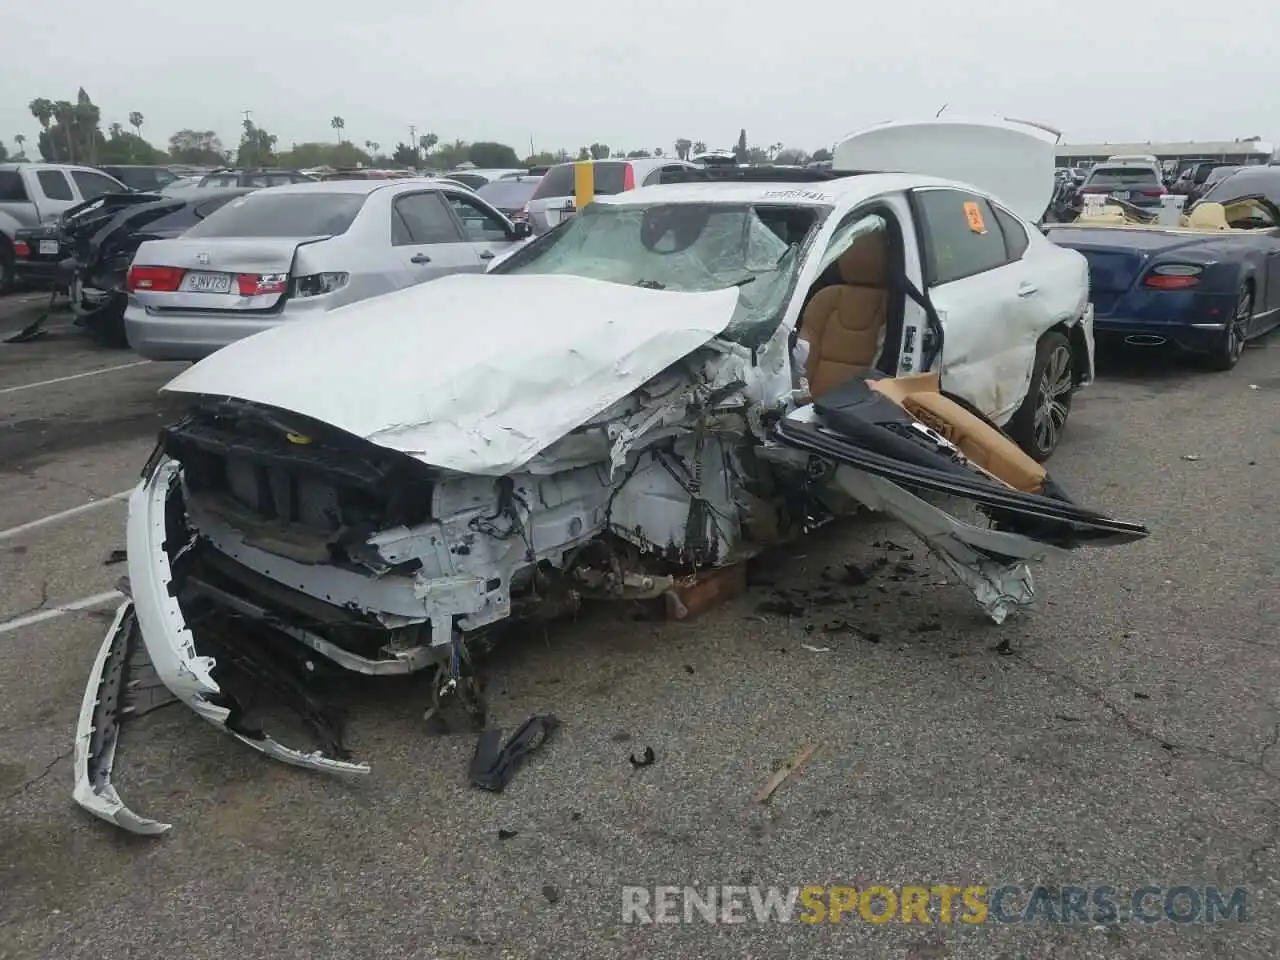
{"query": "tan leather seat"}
{"type": "Point", "coordinates": [990, 449]}
{"type": "Point", "coordinates": [1208, 216]}
{"type": "Point", "coordinates": [844, 324]}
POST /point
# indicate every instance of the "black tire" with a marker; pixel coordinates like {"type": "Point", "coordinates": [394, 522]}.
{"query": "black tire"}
{"type": "Point", "coordinates": [1038, 424]}
{"type": "Point", "coordinates": [6, 265]}
{"type": "Point", "coordinates": [106, 327]}
{"type": "Point", "coordinates": [1226, 353]}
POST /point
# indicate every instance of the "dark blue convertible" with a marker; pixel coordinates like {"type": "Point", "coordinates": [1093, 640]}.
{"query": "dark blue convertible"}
{"type": "Point", "coordinates": [1204, 287]}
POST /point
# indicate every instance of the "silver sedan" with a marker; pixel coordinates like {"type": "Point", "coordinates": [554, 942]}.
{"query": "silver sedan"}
{"type": "Point", "coordinates": [288, 252]}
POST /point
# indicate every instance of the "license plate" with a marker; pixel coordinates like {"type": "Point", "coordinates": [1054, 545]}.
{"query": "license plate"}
{"type": "Point", "coordinates": [1121, 194]}
{"type": "Point", "coordinates": [49, 247]}
{"type": "Point", "coordinates": [197, 282]}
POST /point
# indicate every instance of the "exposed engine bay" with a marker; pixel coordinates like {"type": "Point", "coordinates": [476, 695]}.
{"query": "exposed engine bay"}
{"type": "Point", "coordinates": [267, 550]}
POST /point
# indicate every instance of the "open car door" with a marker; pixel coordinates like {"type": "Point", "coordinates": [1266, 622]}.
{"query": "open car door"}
{"type": "Point", "coordinates": [886, 440]}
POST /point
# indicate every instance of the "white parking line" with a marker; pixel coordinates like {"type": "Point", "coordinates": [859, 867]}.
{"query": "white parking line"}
{"type": "Point", "coordinates": [61, 515]}
{"type": "Point", "coordinates": [85, 603]}
{"type": "Point", "coordinates": [74, 376]}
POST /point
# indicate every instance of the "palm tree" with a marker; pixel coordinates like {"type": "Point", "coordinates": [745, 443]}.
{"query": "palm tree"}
{"type": "Point", "coordinates": [372, 146]}
{"type": "Point", "coordinates": [427, 142]}
{"type": "Point", "coordinates": [19, 139]}
{"type": "Point", "coordinates": [700, 146]}
{"type": "Point", "coordinates": [116, 130]}
{"type": "Point", "coordinates": [135, 121]}
{"type": "Point", "coordinates": [338, 124]}
{"type": "Point", "coordinates": [64, 112]}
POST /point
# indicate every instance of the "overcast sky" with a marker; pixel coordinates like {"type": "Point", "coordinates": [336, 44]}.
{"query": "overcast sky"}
{"type": "Point", "coordinates": [639, 75]}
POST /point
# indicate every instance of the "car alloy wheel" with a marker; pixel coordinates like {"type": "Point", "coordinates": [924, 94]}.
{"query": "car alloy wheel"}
{"type": "Point", "coordinates": [1233, 338]}
{"type": "Point", "coordinates": [1053, 401]}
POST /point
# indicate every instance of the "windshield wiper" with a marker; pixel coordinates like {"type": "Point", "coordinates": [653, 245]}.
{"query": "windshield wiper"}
{"type": "Point", "coordinates": [650, 284]}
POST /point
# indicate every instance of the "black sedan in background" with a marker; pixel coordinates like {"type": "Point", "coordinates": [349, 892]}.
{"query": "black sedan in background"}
{"type": "Point", "coordinates": [88, 252]}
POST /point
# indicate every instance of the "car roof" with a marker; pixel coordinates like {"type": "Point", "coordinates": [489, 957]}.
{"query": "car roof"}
{"type": "Point", "coordinates": [41, 165]}
{"type": "Point", "coordinates": [840, 192]}
{"type": "Point", "coordinates": [360, 186]}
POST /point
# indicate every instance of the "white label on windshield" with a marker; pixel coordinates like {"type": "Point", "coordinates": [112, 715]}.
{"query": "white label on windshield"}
{"type": "Point", "coordinates": [814, 195]}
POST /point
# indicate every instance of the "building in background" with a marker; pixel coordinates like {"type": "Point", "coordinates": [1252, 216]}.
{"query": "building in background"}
{"type": "Point", "coordinates": [1251, 150]}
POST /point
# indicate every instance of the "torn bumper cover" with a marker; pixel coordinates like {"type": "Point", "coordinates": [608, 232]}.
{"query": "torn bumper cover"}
{"type": "Point", "coordinates": [152, 627]}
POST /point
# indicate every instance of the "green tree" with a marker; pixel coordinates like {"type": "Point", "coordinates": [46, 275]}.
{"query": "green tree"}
{"type": "Point", "coordinates": [683, 146]}
{"type": "Point", "coordinates": [85, 118]}
{"type": "Point", "coordinates": [121, 146]}
{"type": "Point", "coordinates": [257, 147]}
{"type": "Point", "coordinates": [4, 153]}
{"type": "Point", "coordinates": [200, 148]}
{"type": "Point", "coordinates": [791, 156]}
{"type": "Point", "coordinates": [339, 125]}
{"type": "Point", "coordinates": [823, 154]}
{"type": "Point", "coordinates": [740, 151]}
{"type": "Point", "coordinates": [599, 151]}
{"type": "Point", "coordinates": [428, 143]}
{"type": "Point", "coordinates": [404, 155]}
{"type": "Point", "coordinates": [135, 121]}
{"type": "Point", "coordinates": [19, 139]}
{"type": "Point", "coordinates": [74, 134]}
{"type": "Point", "coordinates": [447, 156]}
{"type": "Point", "coordinates": [699, 147]}
{"type": "Point", "coordinates": [303, 155]}
{"type": "Point", "coordinates": [635, 154]}
{"type": "Point", "coordinates": [584, 153]}
{"type": "Point", "coordinates": [42, 110]}
{"type": "Point", "coordinates": [545, 158]}
{"type": "Point", "coordinates": [486, 153]}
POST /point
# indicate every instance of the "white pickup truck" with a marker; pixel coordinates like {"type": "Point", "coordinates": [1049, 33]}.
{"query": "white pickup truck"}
{"type": "Point", "coordinates": [32, 194]}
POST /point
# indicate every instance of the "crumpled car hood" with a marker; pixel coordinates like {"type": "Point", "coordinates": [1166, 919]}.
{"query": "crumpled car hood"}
{"type": "Point", "coordinates": [470, 373]}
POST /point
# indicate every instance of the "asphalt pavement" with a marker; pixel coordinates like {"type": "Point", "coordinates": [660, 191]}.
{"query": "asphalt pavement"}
{"type": "Point", "coordinates": [1124, 735]}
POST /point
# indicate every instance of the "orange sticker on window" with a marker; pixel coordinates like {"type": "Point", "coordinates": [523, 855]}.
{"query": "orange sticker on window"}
{"type": "Point", "coordinates": [974, 216]}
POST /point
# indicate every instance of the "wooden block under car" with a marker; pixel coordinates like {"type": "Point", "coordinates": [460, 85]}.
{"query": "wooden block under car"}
{"type": "Point", "coordinates": [687, 600]}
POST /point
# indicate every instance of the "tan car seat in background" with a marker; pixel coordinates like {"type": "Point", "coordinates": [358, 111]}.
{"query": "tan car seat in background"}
{"type": "Point", "coordinates": [844, 324]}
{"type": "Point", "coordinates": [1208, 216]}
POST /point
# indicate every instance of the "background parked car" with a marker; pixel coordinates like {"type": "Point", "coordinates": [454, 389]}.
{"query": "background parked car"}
{"type": "Point", "coordinates": [1191, 182]}
{"type": "Point", "coordinates": [143, 178]}
{"type": "Point", "coordinates": [32, 194]}
{"type": "Point", "coordinates": [511, 195]}
{"type": "Point", "coordinates": [1137, 182]}
{"type": "Point", "coordinates": [88, 252]}
{"type": "Point", "coordinates": [1216, 176]}
{"type": "Point", "coordinates": [553, 200]}
{"type": "Point", "coordinates": [278, 254]}
{"type": "Point", "coordinates": [477, 177]}
{"type": "Point", "coordinates": [262, 177]}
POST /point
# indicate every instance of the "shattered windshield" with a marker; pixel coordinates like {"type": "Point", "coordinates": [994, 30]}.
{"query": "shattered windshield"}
{"type": "Point", "coordinates": [685, 247]}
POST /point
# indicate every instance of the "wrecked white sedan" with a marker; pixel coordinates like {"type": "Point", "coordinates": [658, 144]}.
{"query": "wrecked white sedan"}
{"type": "Point", "coordinates": [674, 380]}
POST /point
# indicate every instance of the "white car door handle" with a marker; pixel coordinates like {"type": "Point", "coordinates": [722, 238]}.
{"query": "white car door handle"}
{"type": "Point", "coordinates": [1027, 289]}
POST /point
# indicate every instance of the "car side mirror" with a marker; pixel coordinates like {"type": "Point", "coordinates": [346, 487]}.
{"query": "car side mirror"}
{"type": "Point", "coordinates": [521, 230]}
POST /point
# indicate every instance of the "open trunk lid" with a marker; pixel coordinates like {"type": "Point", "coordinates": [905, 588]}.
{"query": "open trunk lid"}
{"type": "Point", "coordinates": [1011, 159]}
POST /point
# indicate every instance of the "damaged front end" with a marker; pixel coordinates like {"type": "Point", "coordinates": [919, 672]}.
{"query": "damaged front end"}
{"type": "Point", "coordinates": [272, 555]}
{"type": "Point", "coordinates": [151, 639]}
